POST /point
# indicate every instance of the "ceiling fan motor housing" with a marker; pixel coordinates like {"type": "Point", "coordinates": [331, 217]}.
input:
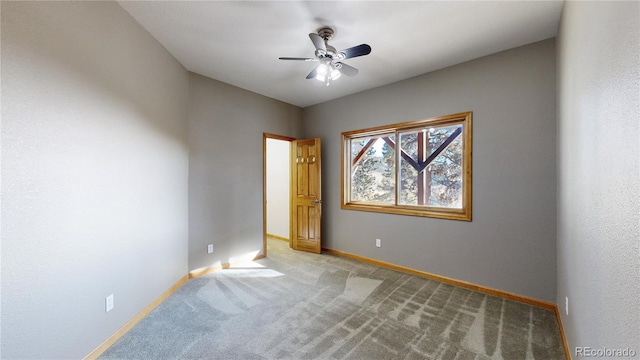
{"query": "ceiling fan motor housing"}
{"type": "Point", "coordinates": [326, 33]}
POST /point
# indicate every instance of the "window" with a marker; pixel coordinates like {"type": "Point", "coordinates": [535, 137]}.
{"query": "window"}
{"type": "Point", "coordinates": [420, 168]}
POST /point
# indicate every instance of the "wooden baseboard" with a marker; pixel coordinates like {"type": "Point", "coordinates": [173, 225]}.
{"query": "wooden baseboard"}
{"type": "Point", "coordinates": [207, 270]}
{"type": "Point", "coordinates": [211, 269]}
{"type": "Point", "coordinates": [131, 323]}
{"type": "Point", "coordinates": [567, 353]}
{"type": "Point", "coordinates": [447, 280]}
{"type": "Point", "coordinates": [278, 237]}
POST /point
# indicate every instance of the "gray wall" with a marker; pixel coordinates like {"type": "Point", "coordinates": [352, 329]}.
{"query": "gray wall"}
{"type": "Point", "coordinates": [226, 125]}
{"type": "Point", "coordinates": [510, 244]}
{"type": "Point", "coordinates": [94, 174]}
{"type": "Point", "coordinates": [599, 172]}
{"type": "Point", "coordinates": [119, 167]}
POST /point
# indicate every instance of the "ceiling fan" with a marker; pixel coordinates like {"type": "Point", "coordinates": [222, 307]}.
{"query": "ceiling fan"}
{"type": "Point", "coordinates": [331, 66]}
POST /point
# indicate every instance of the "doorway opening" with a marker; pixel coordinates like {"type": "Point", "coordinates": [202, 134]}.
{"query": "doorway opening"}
{"type": "Point", "coordinates": [276, 188]}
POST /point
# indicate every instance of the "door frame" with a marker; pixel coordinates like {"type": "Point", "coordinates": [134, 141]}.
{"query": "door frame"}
{"type": "Point", "coordinates": [266, 136]}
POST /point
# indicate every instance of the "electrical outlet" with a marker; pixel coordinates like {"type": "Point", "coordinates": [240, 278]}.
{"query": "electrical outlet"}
{"type": "Point", "coordinates": [210, 249]}
{"type": "Point", "coordinates": [108, 303]}
{"type": "Point", "coordinates": [378, 242]}
{"type": "Point", "coordinates": [566, 305]}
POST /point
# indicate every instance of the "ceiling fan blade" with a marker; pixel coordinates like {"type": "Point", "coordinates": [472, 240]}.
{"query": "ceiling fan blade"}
{"type": "Point", "coordinates": [297, 58]}
{"type": "Point", "coordinates": [347, 69]}
{"type": "Point", "coordinates": [313, 72]}
{"type": "Point", "coordinates": [356, 51]}
{"type": "Point", "coordinates": [318, 42]}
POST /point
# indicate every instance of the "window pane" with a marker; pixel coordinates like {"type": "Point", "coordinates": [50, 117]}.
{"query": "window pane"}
{"type": "Point", "coordinates": [408, 172]}
{"type": "Point", "coordinates": [418, 168]}
{"type": "Point", "coordinates": [431, 167]}
{"type": "Point", "coordinates": [372, 170]}
{"type": "Point", "coordinates": [445, 173]}
{"type": "Point", "coordinates": [408, 184]}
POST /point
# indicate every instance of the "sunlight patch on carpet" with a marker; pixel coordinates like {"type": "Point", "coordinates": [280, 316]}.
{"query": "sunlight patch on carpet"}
{"type": "Point", "coordinates": [358, 289]}
{"type": "Point", "coordinates": [249, 273]}
{"type": "Point", "coordinates": [225, 300]}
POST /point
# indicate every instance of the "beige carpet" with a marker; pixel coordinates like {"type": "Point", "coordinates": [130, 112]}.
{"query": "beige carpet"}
{"type": "Point", "coordinates": [295, 305]}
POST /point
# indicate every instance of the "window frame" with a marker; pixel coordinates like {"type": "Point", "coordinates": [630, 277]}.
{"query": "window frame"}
{"type": "Point", "coordinates": [464, 119]}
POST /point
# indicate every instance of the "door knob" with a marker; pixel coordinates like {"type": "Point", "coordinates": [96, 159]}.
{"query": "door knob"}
{"type": "Point", "coordinates": [316, 201]}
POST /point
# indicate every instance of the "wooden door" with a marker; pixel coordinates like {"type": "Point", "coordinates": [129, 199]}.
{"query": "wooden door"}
{"type": "Point", "coordinates": [306, 197]}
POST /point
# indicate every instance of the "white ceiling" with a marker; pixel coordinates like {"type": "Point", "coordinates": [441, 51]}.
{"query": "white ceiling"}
{"type": "Point", "coordinates": [239, 42]}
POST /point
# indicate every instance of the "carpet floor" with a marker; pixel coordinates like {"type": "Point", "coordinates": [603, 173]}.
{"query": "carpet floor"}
{"type": "Point", "coordinates": [295, 305]}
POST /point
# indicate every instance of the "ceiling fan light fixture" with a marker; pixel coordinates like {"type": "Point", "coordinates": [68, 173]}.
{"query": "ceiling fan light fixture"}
{"type": "Point", "coordinates": [331, 68]}
{"type": "Point", "coordinates": [321, 72]}
{"type": "Point", "coordinates": [327, 72]}
{"type": "Point", "coordinates": [335, 74]}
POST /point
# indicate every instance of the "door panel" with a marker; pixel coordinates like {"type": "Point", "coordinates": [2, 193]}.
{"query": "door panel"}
{"type": "Point", "coordinates": [306, 200]}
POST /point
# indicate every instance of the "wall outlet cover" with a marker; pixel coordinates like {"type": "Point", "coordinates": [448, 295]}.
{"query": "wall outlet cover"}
{"type": "Point", "coordinates": [108, 303]}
